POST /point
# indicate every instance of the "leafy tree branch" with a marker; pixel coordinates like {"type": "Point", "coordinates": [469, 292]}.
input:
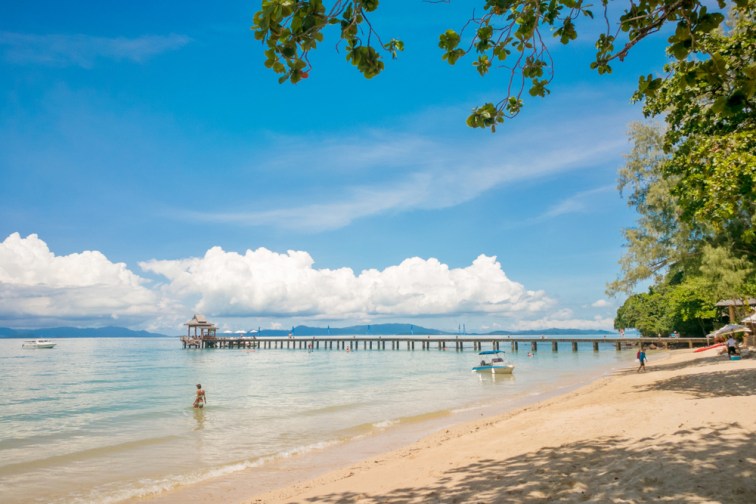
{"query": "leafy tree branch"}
{"type": "Point", "coordinates": [508, 36]}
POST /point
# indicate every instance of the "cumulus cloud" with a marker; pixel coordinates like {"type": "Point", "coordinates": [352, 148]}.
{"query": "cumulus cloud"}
{"type": "Point", "coordinates": [83, 50]}
{"type": "Point", "coordinates": [262, 283]}
{"type": "Point", "coordinates": [601, 303]}
{"type": "Point", "coordinates": [38, 288]}
{"type": "Point", "coordinates": [34, 282]}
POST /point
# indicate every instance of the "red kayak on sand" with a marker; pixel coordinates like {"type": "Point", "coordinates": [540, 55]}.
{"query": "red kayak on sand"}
{"type": "Point", "coordinates": [715, 345]}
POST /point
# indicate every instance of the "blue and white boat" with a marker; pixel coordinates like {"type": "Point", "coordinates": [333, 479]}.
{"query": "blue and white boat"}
{"type": "Point", "coordinates": [495, 366]}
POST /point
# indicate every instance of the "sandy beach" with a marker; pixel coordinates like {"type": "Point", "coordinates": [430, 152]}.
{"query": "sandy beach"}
{"type": "Point", "coordinates": [681, 432]}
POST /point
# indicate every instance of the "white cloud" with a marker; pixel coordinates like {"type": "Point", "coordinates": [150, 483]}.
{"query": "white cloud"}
{"type": "Point", "coordinates": [581, 202]}
{"type": "Point", "coordinates": [39, 288]}
{"type": "Point", "coordinates": [262, 283]}
{"type": "Point", "coordinates": [601, 303]}
{"type": "Point", "coordinates": [34, 282]}
{"type": "Point", "coordinates": [432, 174]}
{"type": "Point", "coordinates": [83, 50]}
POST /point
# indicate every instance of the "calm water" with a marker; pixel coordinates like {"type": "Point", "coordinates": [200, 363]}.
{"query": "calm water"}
{"type": "Point", "coordinates": [105, 420]}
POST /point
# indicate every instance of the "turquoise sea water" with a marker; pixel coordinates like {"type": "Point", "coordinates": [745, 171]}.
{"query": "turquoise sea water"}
{"type": "Point", "coordinates": [108, 420]}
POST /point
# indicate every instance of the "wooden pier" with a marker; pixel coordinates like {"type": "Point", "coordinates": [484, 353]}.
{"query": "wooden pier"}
{"type": "Point", "coordinates": [456, 343]}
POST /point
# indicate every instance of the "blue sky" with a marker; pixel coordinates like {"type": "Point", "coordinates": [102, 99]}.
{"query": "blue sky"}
{"type": "Point", "coordinates": [153, 168]}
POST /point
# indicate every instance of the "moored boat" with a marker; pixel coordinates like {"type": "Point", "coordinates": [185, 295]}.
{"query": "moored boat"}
{"type": "Point", "coordinates": [39, 343]}
{"type": "Point", "coordinates": [495, 366]}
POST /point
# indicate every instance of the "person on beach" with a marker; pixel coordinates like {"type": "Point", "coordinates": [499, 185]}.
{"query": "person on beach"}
{"type": "Point", "coordinates": [732, 346]}
{"type": "Point", "coordinates": [642, 360]}
{"type": "Point", "coordinates": [201, 400]}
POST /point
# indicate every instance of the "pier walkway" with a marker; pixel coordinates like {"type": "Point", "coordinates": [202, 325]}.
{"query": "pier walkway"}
{"type": "Point", "coordinates": [457, 343]}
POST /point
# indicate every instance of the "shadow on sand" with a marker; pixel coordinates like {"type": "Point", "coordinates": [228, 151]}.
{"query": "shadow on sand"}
{"type": "Point", "coordinates": [718, 469]}
{"type": "Point", "coordinates": [715, 463]}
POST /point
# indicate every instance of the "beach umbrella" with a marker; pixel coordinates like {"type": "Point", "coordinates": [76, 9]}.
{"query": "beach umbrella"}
{"type": "Point", "coordinates": [730, 329]}
{"type": "Point", "coordinates": [750, 319]}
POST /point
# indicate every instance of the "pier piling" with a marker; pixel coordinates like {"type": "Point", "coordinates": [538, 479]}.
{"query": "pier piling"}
{"type": "Point", "coordinates": [410, 343]}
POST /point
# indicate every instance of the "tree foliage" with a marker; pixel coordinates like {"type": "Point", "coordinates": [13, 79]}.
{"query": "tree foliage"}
{"type": "Point", "coordinates": [508, 36]}
{"type": "Point", "coordinates": [657, 241]}
{"type": "Point", "coordinates": [709, 107]}
{"type": "Point", "coordinates": [646, 312]}
{"type": "Point", "coordinates": [690, 269]}
{"type": "Point", "coordinates": [694, 183]}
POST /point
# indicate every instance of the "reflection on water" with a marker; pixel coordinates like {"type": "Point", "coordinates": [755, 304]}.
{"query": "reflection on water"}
{"type": "Point", "coordinates": [199, 417]}
{"type": "Point", "coordinates": [494, 377]}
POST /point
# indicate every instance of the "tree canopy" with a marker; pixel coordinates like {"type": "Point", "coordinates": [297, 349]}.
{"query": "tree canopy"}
{"type": "Point", "coordinates": [509, 36]}
{"type": "Point", "coordinates": [691, 181]}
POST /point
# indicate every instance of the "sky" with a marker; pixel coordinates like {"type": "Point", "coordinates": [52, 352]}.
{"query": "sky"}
{"type": "Point", "coordinates": [151, 168]}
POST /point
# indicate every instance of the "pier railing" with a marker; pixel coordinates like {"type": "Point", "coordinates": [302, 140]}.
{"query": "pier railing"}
{"type": "Point", "coordinates": [457, 343]}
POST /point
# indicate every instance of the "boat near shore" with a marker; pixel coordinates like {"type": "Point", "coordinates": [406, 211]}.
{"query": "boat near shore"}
{"type": "Point", "coordinates": [39, 343]}
{"type": "Point", "coordinates": [495, 366]}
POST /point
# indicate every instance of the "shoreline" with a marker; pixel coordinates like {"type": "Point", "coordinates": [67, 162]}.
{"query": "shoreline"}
{"type": "Point", "coordinates": [683, 431]}
{"type": "Point", "coordinates": [320, 458]}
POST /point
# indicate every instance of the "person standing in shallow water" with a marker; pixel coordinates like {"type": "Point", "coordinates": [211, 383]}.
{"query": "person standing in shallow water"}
{"type": "Point", "coordinates": [201, 400]}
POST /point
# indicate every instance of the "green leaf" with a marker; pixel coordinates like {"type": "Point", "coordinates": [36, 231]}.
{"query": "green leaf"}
{"type": "Point", "coordinates": [709, 22]}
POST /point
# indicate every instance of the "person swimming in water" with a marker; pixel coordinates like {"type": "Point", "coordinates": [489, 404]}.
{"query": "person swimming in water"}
{"type": "Point", "coordinates": [201, 399]}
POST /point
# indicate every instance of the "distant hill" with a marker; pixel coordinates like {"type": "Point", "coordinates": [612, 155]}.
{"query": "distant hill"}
{"type": "Point", "coordinates": [302, 330]}
{"type": "Point", "coordinates": [363, 330]}
{"type": "Point", "coordinates": [552, 331]}
{"type": "Point", "coordinates": [76, 332]}
{"type": "Point", "coordinates": [408, 329]}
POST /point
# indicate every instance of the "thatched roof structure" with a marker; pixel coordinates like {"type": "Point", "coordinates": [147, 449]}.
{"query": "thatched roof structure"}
{"type": "Point", "coordinates": [199, 321]}
{"type": "Point", "coordinates": [202, 328]}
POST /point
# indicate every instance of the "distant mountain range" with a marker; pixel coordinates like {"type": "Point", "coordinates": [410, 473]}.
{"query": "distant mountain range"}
{"type": "Point", "coordinates": [76, 332]}
{"type": "Point", "coordinates": [360, 330]}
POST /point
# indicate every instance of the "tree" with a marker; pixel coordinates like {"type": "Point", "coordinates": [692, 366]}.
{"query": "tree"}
{"type": "Point", "coordinates": [692, 307]}
{"type": "Point", "coordinates": [691, 270]}
{"type": "Point", "coordinates": [646, 312]}
{"type": "Point", "coordinates": [727, 276]}
{"type": "Point", "coordinates": [694, 183]}
{"type": "Point", "coordinates": [709, 106]}
{"type": "Point", "coordinates": [659, 241]}
{"type": "Point", "coordinates": [507, 36]}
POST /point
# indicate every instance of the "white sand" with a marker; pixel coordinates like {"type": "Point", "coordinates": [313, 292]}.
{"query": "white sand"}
{"type": "Point", "coordinates": [681, 432]}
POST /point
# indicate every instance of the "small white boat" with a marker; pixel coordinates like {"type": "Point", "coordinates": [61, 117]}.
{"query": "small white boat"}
{"type": "Point", "coordinates": [39, 343]}
{"type": "Point", "coordinates": [495, 366]}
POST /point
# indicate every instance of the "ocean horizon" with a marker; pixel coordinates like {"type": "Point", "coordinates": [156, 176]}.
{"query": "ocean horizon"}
{"type": "Point", "coordinates": [107, 420]}
{"type": "Point", "coordinates": [394, 329]}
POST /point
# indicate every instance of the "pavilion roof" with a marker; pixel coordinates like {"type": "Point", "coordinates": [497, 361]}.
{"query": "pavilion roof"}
{"type": "Point", "coordinates": [736, 302]}
{"type": "Point", "coordinates": [199, 320]}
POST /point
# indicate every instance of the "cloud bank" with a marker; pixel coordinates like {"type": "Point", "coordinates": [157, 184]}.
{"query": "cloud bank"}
{"type": "Point", "coordinates": [37, 284]}
{"type": "Point", "coordinates": [262, 283]}
{"type": "Point", "coordinates": [39, 288]}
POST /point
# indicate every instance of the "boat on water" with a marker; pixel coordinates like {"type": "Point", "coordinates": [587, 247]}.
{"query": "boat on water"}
{"type": "Point", "coordinates": [39, 343]}
{"type": "Point", "coordinates": [495, 366]}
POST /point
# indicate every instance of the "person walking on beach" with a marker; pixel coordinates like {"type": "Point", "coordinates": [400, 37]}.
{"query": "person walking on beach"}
{"type": "Point", "coordinates": [642, 360]}
{"type": "Point", "coordinates": [201, 400]}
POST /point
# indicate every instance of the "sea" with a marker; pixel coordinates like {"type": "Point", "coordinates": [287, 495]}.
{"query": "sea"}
{"type": "Point", "coordinates": [108, 420]}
